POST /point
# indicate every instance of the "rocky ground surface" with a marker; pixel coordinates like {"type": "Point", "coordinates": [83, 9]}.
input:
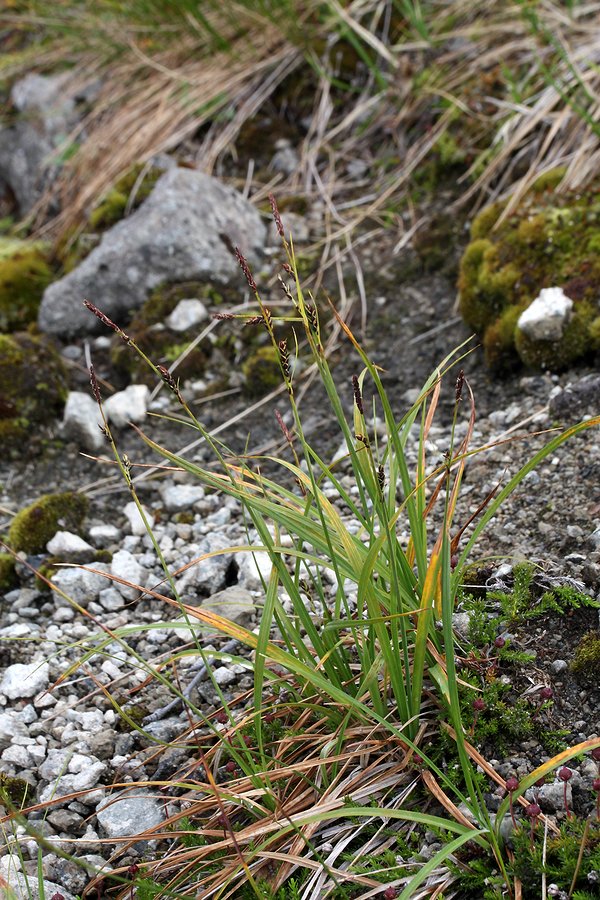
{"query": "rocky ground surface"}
{"type": "Point", "coordinates": [60, 663]}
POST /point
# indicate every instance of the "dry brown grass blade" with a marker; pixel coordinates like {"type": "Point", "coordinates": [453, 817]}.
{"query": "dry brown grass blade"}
{"type": "Point", "coordinates": [445, 801]}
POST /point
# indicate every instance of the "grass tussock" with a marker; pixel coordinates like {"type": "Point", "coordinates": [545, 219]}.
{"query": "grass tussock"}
{"type": "Point", "coordinates": [353, 743]}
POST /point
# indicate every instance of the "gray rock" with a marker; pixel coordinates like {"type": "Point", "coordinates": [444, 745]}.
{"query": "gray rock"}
{"type": "Point", "coordinates": [551, 796]}
{"type": "Point", "coordinates": [65, 543]}
{"type": "Point", "coordinates": [80, 585]}
{"type": "Point", "coordinates": [81, 420]}
{"type": "Point", "coordinates": [111, 599]}
{"type": "Point", "coordinates": [26, 147]}
{"type": "Point", "coordinates": [25, 680]}
{"type": "Point", "coordinates": [125, 565]}
{"type": "Point", "coordinates": [187, 314]}
{"type": "Point", "coordinates": [105, 535]}
{"type": "Point", "coordinates": [26, 887]}
{"type": "Point", "coordinates": [558, 666]}
{"type": "Point", "coordinates": [130, 813]}
{"type": "Point", "coordinates": [129, 405]}
{"type": "Point", "coordinates": [181, 496]}
{"type": "Point", "coordinates": [234, 603]}
{"type": "Point", "coordinates": [175, 235]}
{"type": "Point", "coordinates": [577, 399]}
{"type": "Point", "coordinates": [84, 780]}
{"type": "Point", "coordinates": [209, 574]}
{"type": "Point", "coordinates": [136, 523]}
{"type": "Point", "coordinates": [546, 318]}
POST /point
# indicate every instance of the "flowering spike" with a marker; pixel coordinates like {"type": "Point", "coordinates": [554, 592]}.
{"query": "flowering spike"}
{"type": "Point", "coordinates": [357, 394]}
{"type": "Point", "coordinates": [246, 270]}
{"type": "Point", "coordinates": [460, 381]}
{"type": "Point", "coordinates": [276, 216]}
{"type": "Point", "coordinates": [105, 320]}
{"type": "Point", "coordinates": [94, 384]}
{"type": "Point", "coordinates": [285, 358]}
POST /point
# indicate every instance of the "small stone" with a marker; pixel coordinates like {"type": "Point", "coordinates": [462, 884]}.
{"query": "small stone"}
{"type": "Point", "coordinates": [111, 599]}
{"type": "Point", "coordinates": [177, 497]}
{"type": "Point", "coordinates": [187, 314]}
{"type": "Point", "coordinates": [558, 666]}
{"type": "Point", "coordinates": [234, 603]}
{"type": "Point", "coordinates": [64, 543]}
{"type": "Point", "coordinates": [224, 676]}
{"type": "Point", "coordinates": [547, 317]}
{"type": "Point", "coordinates": [130, 813]}
{"type": "Point", "coordinates": [81, 421]}
{"type": "Point", "coordinates": [22, 680]}
{"type": "Point", "coordinates": [103, 536]}
{"type": "Point", "coordinates": [136, 522]}
{"type": "Point", "coordinates": [127, 406]}
{"type": "Point", "coordinates": [124, 565]}
{"type": "Point", "coordinates": [80, 585]}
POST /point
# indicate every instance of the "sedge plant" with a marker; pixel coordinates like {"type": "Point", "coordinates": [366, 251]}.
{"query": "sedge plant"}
{"type": "Point", "coordinates": [354, 673]}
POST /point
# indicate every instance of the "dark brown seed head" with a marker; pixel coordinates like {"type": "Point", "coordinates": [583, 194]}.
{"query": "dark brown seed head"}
{"type": "Point", "coordinates": [460, 380]}
{"type": "Point", "coordinates": [511, 784]}
{"type": "Point", "coordinates": [532, 811]}
{"type": "Point", "coordinates": [223, 316]}
{"type": "Point", "coordinates": [312, 315]}
{"type": "Point", "coordinates": [546, 693]}
{"type": "Point", "coordinates": [286, 432]}
{"type": "Point", "coordinates": [357, 394]}
{"type": "Point", "coordinates": [596, 784]}
{"type": "Point", "coordinates": [133, 870]}
{"type": "Point", "coordinates": [381, 477]}
{"type": "Point", "coordinates": [596, 754]}
{"type": "Point", "coordinates": [105, 320]}
{"type": "Point", "coordinates": [276, 216]}
{"type": "Point", "coordinates": [285, 358]}
{"type": "Point", "coordinates": [478, 704]}
{"type": "Point", "coordinates": [246, 270]}
{"type": "Point", "coordinates": [565, 774]}
{"type": "Point", "coordinates": [94, 384]}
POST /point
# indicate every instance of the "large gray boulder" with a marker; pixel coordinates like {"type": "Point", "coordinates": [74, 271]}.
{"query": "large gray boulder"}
{"type": "Point", "coordinates": [180, 233]}
{"type": "Point", "coordinates": [47, 111]}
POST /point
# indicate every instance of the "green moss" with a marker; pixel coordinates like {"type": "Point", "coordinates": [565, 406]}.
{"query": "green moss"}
{"type": "Point", "coordinates": [14, 791]}
{"type": "Point", "coordinates": [33, 387]}
{"type": "Point", "coordinates": [586, 662]}
{"type": "Point", "coordinates": [485, 220]}
{"type": "Point", "coordinates": [262, 372]}
{"type": "Point", "coordinates": [24, 275]}
{"type": "Point", "coordinates": [8, 576]}
{"type": "Point", "coordinates": [34, 526]}
{"type": "Point", "coordinates": [574, 344]}
{"type": "Point", "coordinates": [499, 340]}
{"type": "Point", "coordinates": [162, 345]}
{"type": "Point", "coordinates": [550, 240]}
{"type": "Point", "coordinates": [135, 185]}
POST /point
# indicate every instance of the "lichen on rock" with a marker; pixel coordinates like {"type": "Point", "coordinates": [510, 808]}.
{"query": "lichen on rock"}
{"type": "Point", "coordinates": [550, 240]}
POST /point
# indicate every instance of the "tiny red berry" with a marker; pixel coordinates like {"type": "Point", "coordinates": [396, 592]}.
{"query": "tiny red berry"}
{"type": "Point", "coordinates": [230, 766]}
{"type": "Point", "coordinates": [565, 774]}
{"type": "Point", "coordinates": [133, 870]}
{"type": "Point", "coordinates": [596, 754]}
{"type": "Point", "coordinates": [478, 704]}
{"type": "Point", "coordinates": [596, 784]}
{"type": "Point", "coordinates": [499, 642]}
{"type": "Point", "coordinates": [546, 693]}
{"type": "Point", "coordinates": [221, 718]}
{"type": "Point", "coordinates": [390, 893]}
{"type": "Point", "coordinates": [532, 811]}
{"type": "Point", "coordinates": [511, 784]}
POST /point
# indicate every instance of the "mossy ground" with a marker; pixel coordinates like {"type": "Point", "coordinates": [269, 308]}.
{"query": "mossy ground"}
{"type": "Point", "coordinates": [162, 345]}
{"type": "Point", "coordinates": [25, 272]}
{"type": "Point", "coordinates": [550, 240]}
{"type": "Point", "coordinates": [34, 526]}
{"type": "Point", "coordinates": [33, 387]}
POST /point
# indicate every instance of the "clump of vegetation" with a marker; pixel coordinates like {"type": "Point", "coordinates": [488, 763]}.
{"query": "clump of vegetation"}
{"type": "Point", "coordinates": [25, 273]}
{"type": "Point", "coordinates": [353, 677]}
{"type": "Point", "coordinates": [34, 526]}
{"type": "Point", "coordinates": [261, 371]}
{"type": "Point", "coordinates": [152, 335]}
{"type": "Point", "coordinates": [527, 600]}
{"type": "Point", "coordinates": [550, 240]}
{"type": "Point", "coordinates": [8, 576]}
{"type": "Point", "coordinates": [33, 388]}
{"type": "Point", "coordinates": [586, 662]}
